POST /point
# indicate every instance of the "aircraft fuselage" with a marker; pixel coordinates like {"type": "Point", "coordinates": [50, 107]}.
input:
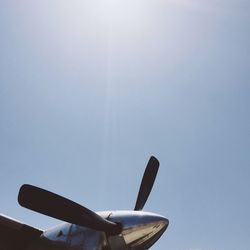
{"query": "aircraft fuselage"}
{"type": "Point", "coordinates": [140, 231]}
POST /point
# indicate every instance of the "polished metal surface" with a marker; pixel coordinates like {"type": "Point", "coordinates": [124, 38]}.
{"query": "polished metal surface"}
{"type": "Point", "coordinates": [140, 231]}
{"type": "Point", "coordinates": [140, 228]}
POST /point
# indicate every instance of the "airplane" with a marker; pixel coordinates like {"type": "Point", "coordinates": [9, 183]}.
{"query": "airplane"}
{"type": "Point", "coordinates": [82, 228]}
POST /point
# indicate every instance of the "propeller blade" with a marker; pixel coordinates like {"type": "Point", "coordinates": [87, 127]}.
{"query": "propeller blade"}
{"type": "Point", "coordinates": [56, 206]}
{"type": "Point", "coordinates": [147, 182]}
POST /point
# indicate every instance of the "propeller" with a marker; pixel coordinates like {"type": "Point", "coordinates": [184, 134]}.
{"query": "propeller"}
{"type": "Point", "coordinates": [56, 206]}
{"type": "Point", "coordinates": [147, 182]}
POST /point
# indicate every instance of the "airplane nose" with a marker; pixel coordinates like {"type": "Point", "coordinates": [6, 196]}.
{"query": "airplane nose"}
{"type": "Point", "coordinates": [163, 223]}
{"type": "Point", "coordinates": [142, 229]}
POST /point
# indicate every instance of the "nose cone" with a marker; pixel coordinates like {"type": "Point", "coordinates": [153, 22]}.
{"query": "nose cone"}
{"type": "Point", "coordinates": [140, 229]}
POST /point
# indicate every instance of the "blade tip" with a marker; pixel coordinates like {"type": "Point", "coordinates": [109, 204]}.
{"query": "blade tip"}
{"type": "Point", "coordinates": [154, 159]}
{"type": "Point", "coordinates": [22, 194]}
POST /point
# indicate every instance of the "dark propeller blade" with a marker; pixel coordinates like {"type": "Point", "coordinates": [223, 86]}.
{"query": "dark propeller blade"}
{"type": "Point", "coordinates": [53, 205]}
{"type": "Point", "coordinates": [147, 182]}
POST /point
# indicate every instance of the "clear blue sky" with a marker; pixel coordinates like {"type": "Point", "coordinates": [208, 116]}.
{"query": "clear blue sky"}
{"type": "Point", "coordinates": [90, 89]}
